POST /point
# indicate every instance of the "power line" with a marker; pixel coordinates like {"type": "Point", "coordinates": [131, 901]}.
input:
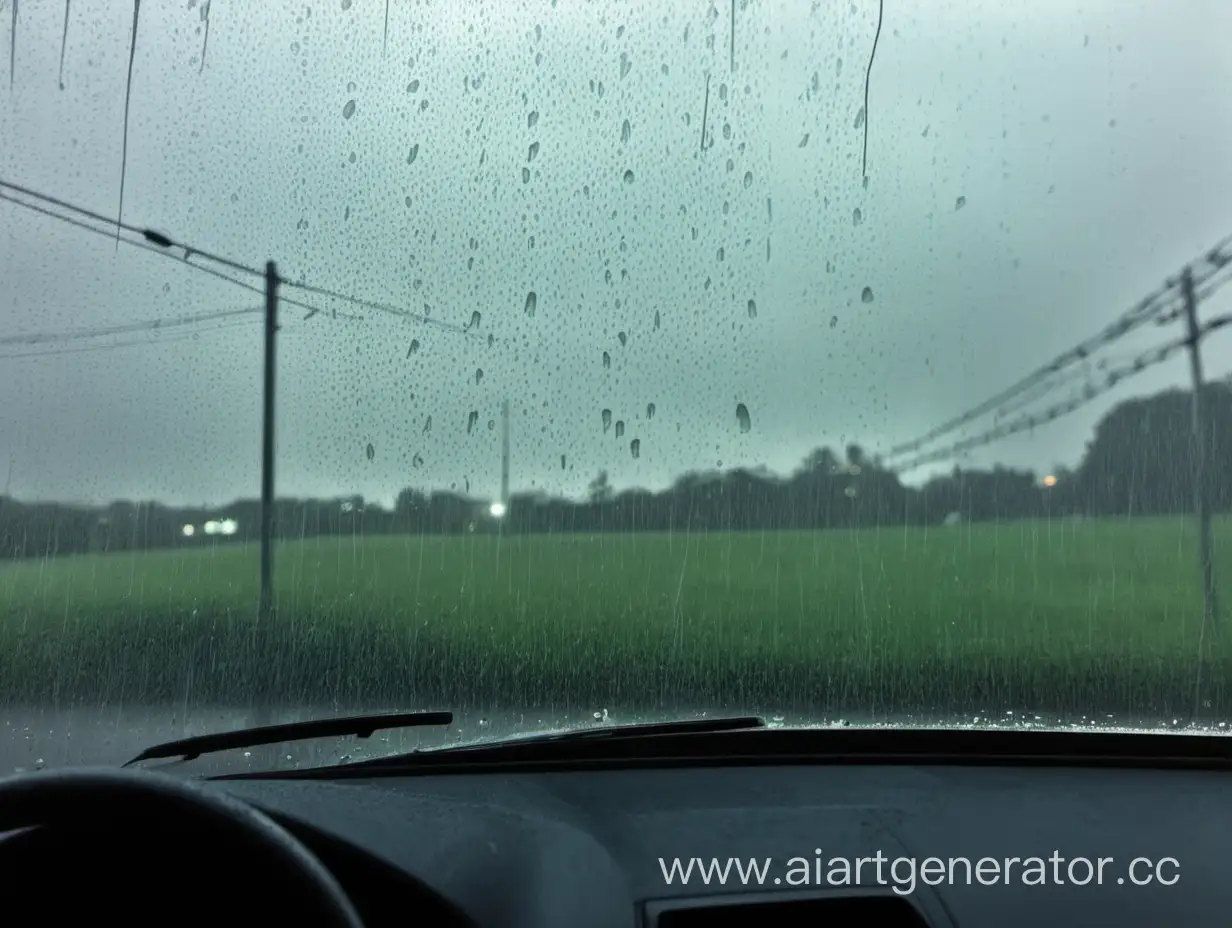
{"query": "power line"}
{"type": "Point", "coordinates": [1145, 310]}
{"type": "Point", "coordinates": [1024, 423]}
{"type": "Point", "coordinates": [150, 325]}
{"type": "Point", "coordinates": [164, 241]}
{"type": "Point", "coordinates": [156, 238]}
{"type": "Point", "coordinates": [1114, 377]}
{"type": "Point", "coordinates": [213, 272]}
{"type": "Point", "coordinates": [132, 343]}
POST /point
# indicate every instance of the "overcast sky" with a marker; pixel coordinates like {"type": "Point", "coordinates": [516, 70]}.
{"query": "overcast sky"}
{"type": "Point", "coordinates": [1089, 145]}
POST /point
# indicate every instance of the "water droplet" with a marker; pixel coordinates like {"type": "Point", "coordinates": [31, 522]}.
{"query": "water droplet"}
{"type": "Point", "coordinates": [427, 429]}
{"type": "Point", "coordinates": [742, 417]}
{"type": "Point", "coordinates": [656, 322]}
{"type": "Point", "coordinates": [867, 295]}
{"type": "Point", "coordinates": [414, 347]}
{"type": "Point", "coordinates": [748, 179]}
{"type": "Point", "coordinates": [478, 375]}
{"type": "Point", "coordinates": [804, 140]}
{"type": "Point", "coordinates": [491, 424]}
{"type": "Point", "coordinates": [625, 131]}
{"type": "Point", "coordinates": [413, 154]}
{"type": "Point", "coordinates": [371, 451]}
{"type": "Point", "coordinates": [531, 118]}
{"type": "Point", "coordinates": [960, 203]}
{"type": "Point", "coordinates": [620, 428]}
{"type": "Point", "coordinates": [532, 302]}
{"type": "Point", "coordinates": [857, 217]}
{"type": "Point", "coordinates": [471, 420]}
{"type": "Point", "coordinates": [606, 415]}
{"type": "Point", "coordinates": [635, 448]}
{"type": "Point", "coordinates": [417, 460]}
{"type": "Point", "coordinates": [562, 462]}
{"type": "Point", "coordinates": [533, 152]}
{"type": "Point", "coordinates": [833, 321]}
{"type": "Point", "coordinates": [624, 339]}
{"type": "Point", "coordinates": [628, 177]}
{"type": "Point", "coordinates": [607, 361]}
{"type": "Point", "coordinates": [650, 410]}
{"type": "Point", "coordinates": [625, 65]}
{"type": "Point", "coordinates": [349, 110]}
{"type": "Point", "coordinates": [412, 87]}
{"type": "Point", "coordinates": [476, 318]}
{"type": "Point", "coordinates": [526, 175]}
{"type": "Point", "coordinates": [752, 309]}
{"type": "Point", "coordinates": [859, 123]}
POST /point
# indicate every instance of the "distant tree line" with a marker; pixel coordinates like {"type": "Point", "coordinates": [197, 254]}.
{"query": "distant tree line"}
{"type": "Point", "coordinates": [1139, 462]}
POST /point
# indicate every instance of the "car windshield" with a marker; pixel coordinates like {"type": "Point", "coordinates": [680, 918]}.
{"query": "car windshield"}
{"type": "Point", "coordinates": [566, 363]}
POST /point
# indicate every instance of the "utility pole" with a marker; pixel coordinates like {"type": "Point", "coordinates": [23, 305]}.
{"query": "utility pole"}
{"type": "Point", "coordinates": [266, 603]}
{"type": "Point", "coordinates": [1210, 602]}
{"type": "Point", "coordinates": [504, 490]}
{"type": "Point", "coordinates": [1202, 507]}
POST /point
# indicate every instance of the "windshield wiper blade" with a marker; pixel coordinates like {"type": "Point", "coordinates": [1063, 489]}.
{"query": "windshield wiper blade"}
{"type": "Point", "coordinates": [628, 732]}
{"type": "Point", "coordinates": [360, 726]}
{"type": "Point", "coordinates": [644, 730]}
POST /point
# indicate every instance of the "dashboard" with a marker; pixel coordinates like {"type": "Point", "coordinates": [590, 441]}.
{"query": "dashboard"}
{"type": "Point", "coordinates": [610, 847]}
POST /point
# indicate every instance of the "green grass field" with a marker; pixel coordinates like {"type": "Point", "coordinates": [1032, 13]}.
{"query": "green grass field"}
{"type": "Point", "coordinates": [1060, 616]}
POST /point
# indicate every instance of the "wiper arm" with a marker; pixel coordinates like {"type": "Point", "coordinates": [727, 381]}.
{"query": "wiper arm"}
{"type": "Point", "coordinates": [494, 750]}
{"type": "Point", "coordinates": [361, 726]}
{"type": "Point", "coordinates": [645, 730]}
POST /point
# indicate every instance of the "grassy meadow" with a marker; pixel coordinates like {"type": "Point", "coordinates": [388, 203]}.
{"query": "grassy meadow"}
{"type": "Point", "coordinates": [1062, 616]}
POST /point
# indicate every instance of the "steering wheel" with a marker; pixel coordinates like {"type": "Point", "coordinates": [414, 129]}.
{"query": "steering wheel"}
{"type": "Point", "coordinates": [110, 800]}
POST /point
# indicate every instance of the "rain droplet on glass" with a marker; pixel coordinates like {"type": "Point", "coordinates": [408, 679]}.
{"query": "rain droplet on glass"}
{"type": "Point", "coordinates": [742, 417]}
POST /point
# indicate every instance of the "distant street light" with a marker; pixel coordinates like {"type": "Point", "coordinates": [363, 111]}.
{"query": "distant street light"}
{"type": "Point", "coordinates": [497, 510]}
{"type": "Point", "coordinates": [1050, 481]}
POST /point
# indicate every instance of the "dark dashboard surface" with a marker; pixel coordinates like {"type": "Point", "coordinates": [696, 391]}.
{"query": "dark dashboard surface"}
{"type": "Point", "coordinates": [588, 848]}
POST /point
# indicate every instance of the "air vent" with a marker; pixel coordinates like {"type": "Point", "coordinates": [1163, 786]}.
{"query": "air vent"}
{"type": "Point", "coordinates": [834, 912]}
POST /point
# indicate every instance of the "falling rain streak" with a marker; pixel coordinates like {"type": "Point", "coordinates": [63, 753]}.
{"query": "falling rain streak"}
{"type": "Point", "coordinates": [371, 451]}
{"type": "Point", "coordinates": [13, 46]}
{"type": "Point", "coordinates": [128, 93]}
{"type": "Point", "coordinates": [471, 420]}
{"type": "Point", "coordinates": [205, 40]}
{"type": "Point", "coordinates": [63, 40]}
{"type": "Point", "coordinates": [532, 303]}
{"type": "Point", "coordinates": [742, 417]}
{"type": "Point", "coordinates": [414, 347]}
{"type": "Point", "coordinates": [863, 119]}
